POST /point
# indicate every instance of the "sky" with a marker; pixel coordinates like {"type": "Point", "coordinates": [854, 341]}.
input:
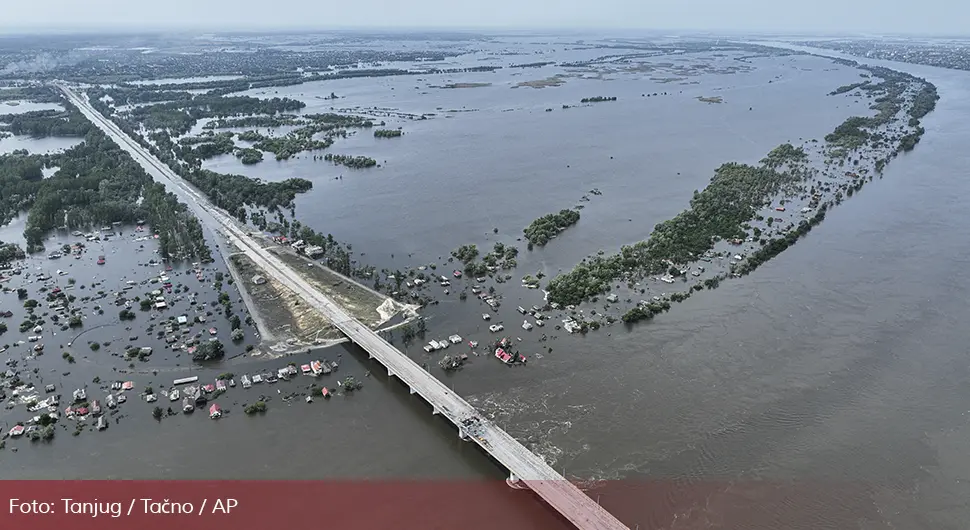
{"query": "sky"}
{"type": "Point", "coordinates": [950, 17]}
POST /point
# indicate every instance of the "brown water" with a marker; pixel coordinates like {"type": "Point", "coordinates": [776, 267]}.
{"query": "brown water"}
{"type": "Point", "coordinates": [827, 390]}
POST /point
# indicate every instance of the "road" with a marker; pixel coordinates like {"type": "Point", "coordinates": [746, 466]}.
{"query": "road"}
{"type": "Point", "coordinates": [524, 465]}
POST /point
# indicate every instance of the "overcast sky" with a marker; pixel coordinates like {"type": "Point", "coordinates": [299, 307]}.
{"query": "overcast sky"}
{"type": "Point", "coordinates": [874, 16]}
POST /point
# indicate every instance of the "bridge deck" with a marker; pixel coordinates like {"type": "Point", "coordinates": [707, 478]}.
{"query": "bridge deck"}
{"type": "Point", "coordinates": [533, 471]}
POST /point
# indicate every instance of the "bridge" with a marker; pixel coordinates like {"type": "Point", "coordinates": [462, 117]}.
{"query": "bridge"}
{"type": "Point", "coordinates": [525, 467]}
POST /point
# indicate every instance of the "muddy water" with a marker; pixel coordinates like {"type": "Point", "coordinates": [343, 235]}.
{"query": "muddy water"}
{"type": "Point", "coordinates": [828, 389]}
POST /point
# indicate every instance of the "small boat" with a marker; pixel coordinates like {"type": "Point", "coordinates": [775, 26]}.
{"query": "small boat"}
{"type": "Point", "coordinates": [187, 405]}
{"type": "Point", "coordinates": [173, 395]}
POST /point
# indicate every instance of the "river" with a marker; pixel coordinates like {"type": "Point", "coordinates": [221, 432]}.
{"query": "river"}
{"type": "Point", "coordinates": [826, 390]}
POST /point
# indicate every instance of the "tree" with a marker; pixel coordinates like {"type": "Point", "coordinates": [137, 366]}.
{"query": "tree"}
{"type": "Point", "coordinates": [257, 407]}
{"type": "Point", "coordinates": [157, 413]}
{"type": "Point", "coordinates": [234, 322]}
{"type": "Point", "coordinates": [209, 351]}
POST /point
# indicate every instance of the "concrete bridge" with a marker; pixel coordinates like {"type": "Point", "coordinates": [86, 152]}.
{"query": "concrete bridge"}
{"type": "Point", "coordinates": [525, 468]}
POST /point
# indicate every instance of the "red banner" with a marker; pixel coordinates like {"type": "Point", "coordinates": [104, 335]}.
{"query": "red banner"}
{"type": "Point", "coordinates": [424, 505]}
{"type": "Point", "coordinates": [268, 505]}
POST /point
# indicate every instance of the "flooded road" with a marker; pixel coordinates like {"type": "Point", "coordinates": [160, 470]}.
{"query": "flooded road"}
{"type": "Point", "coordinates": [827, 390]}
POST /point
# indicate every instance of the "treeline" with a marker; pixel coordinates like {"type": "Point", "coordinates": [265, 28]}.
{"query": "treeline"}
{"type": "Point", "coordinates": [97, 183]}
{"type": "Point", "coordinates": [233, 192]}
{"type": "Point", "coordinates": [732, 198]}
{"type": "Point", "coordinates": [253, 121]}
{"type": "Point", "coordinates": [179, 231]}
{"type": "Point", "coordinates": [10, 252]}
{"type": "Point", "coordinates": [891, 94]}
{"type": "Point", "coordinates": [19, 177]}
{"type": "Point", "coordinates": [132, 96]}
{"type": "Point", "coordinates": [46, 123]}
{"type": "Point", "coordinates": [180, 116]}
{"type": "Point", "coordinates": [848, 88]}
{"type": "Point", "coordinates": [37, 94]}
{"type": "Point", "coordinates": [540, 231]}
{"type": "Point", "coordinates": [354, 162]}
{"type": "Point", "coordinates": [598, 99]}
{"type": "Point", "coordinates": [193, 150]}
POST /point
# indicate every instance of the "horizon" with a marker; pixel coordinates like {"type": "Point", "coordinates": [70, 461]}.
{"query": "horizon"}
{"type": "Point", "coordinates": [21, 31]}
{"type": "Point", "coordinates": [822, 17]}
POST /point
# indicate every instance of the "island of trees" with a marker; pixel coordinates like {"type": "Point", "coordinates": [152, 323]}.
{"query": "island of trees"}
{"type": "Point", "coordinates": [598, 99]}
{"type": "Point", "coordinates": [737, 191]}
{"type": "Point", "coordinates": [387, 133]}
{"type": "Point", "coordinates": [540, 231]}
{"type": "Point", "coordinates": [355, 162]}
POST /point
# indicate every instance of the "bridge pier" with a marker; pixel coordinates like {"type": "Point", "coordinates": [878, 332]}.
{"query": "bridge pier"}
{"type": "Point", "coordinates": [390, 373]}
{"type": "Point", "coordinates": [514, 482]}
{"type": "Point", "coordinates": [435, 411]}
{"type": "Point", "coordinates": [462, 434]}
{"type": "Point", "coordinates": [411, 390]}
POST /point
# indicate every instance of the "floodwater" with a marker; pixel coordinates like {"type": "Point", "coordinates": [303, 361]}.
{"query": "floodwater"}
{"type": "Point", "coordinates": [39, 146]}
{"type": "Point", "coordinates": [826, 390]}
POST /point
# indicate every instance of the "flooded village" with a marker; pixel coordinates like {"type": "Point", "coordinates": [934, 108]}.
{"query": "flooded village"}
{"type": "Point", "coordinates": [493, 240]}
{"type": "Point", "coordinates": [175, 315]}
